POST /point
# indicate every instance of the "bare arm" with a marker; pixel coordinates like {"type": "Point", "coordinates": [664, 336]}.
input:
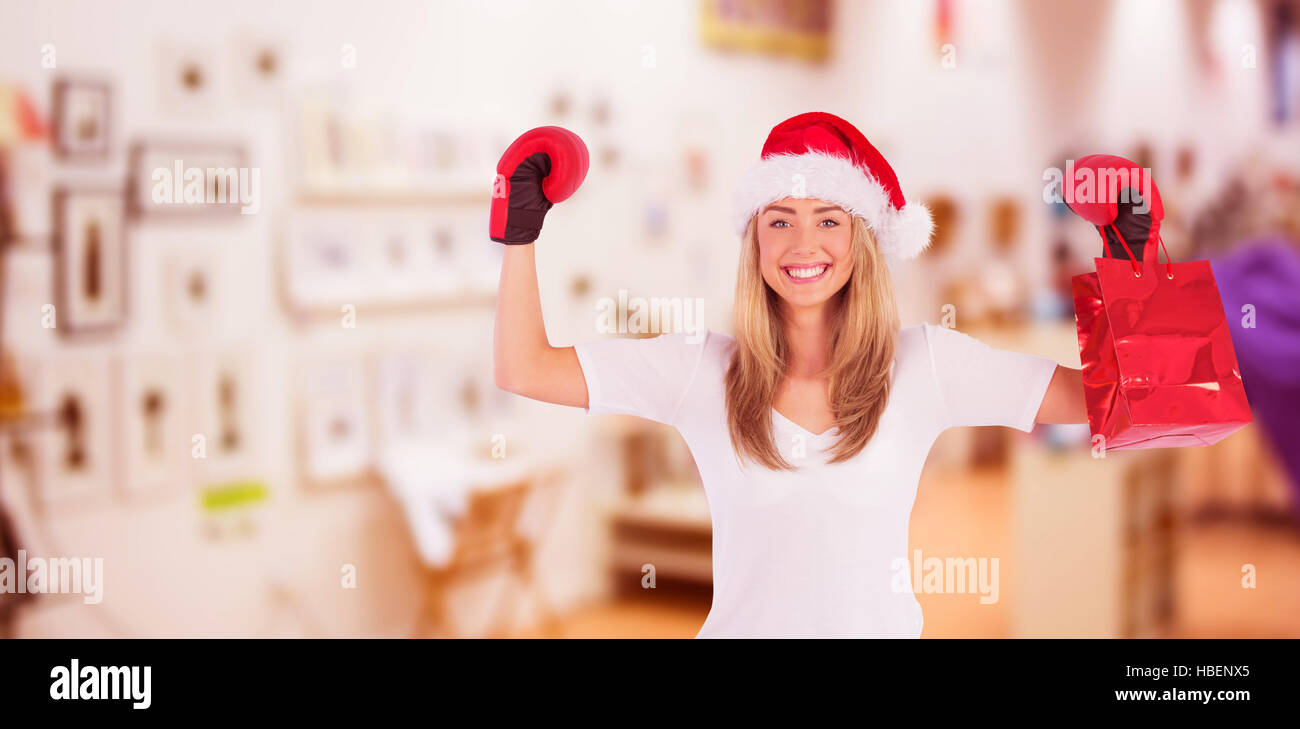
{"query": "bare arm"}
{"type": "Point", "coordinates": [1064, 401]}
{"type": "Point", "coordinates": [524, 361]}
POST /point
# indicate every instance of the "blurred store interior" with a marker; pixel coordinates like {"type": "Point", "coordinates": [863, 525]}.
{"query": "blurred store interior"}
{"type": "Point", "coordinates": [328, 353]}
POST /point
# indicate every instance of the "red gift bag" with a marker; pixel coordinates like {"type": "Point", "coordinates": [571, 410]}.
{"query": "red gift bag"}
{"type": "Point", "coordinates": [1159, 370]}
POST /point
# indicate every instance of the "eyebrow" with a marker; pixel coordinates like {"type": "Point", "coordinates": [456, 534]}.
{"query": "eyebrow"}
{"type": "Point", "coordinates": [792, 211]}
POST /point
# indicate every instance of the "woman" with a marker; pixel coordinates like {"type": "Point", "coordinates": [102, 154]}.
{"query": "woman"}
{"type": "Point", "coordinates": [809, 427]}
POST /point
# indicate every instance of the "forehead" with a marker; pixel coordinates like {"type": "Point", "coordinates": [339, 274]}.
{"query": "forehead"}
{"type": "Point", "coordinates": [795, 205]}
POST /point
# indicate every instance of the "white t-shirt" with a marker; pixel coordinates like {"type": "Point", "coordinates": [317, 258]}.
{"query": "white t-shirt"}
{"type": "Point", "coordinates": [812, 552]}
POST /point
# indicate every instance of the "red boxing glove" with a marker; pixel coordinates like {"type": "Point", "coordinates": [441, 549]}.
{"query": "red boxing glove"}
{"type": "Point", "coordinates": [542, 167]}
{"type": "Point", "coordinates": [1119, 203]}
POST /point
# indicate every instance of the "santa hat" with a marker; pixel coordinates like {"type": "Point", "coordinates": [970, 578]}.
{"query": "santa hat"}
{"type": "Point", "coordinates": [823, 157]}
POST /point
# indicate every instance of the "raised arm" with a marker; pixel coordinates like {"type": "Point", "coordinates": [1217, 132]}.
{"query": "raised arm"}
{"type": "Point", "coordinates": [542, 167]}
{"type": "Point", "coordinates": [524, 361]}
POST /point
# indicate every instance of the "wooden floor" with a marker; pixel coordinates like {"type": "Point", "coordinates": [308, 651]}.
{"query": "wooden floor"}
{"type": "Point", "coordinates": [971, 517]}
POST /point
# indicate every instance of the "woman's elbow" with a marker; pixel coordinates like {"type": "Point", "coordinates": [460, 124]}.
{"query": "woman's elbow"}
{"type": "Point", "coordinates": [506, 377]}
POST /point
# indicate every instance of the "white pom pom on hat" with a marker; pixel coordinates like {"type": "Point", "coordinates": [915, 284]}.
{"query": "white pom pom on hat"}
{"type": "Point", "coordinates": [823, 157]}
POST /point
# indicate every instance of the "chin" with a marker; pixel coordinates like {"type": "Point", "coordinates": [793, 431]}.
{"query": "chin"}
{"type": "Point", "coordinates": [808, 299]}
{"type": "Point", "coordinates": [814, 293]}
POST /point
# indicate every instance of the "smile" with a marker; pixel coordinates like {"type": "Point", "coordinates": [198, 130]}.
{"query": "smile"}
{"type": "Point", "coordinates": [807, 273]}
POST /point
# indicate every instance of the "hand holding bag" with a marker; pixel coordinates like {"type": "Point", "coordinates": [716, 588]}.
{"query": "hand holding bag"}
{"type": "Point", "coordinates": [1159, 369]}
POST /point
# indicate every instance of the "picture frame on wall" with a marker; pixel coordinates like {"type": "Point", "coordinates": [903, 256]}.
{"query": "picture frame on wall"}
{"type": "Point", "coordinates": [155, 405]}
{"type": "Point", "coordinates": [325, 262]}
{"type": "Point", "coordinates": [396, 261]}
{"type": "Point", "coordinates": [164, 162]}
{"type": "Point", "coordinates": [336, 442]}
{"type": "Point", "coordinates": [90, 261]}
{"type": "Point", "coordinates": [799, 29]}
{"type": "Point", "coordinates": [188, 78]}
{"type": "Point", "coordinates": [224, 396]}
{"type": "Point", "coordinates": [446, 269]}
{"type": "Point", "coordinates": [406, 396]}
{"type": "Point", "coordinates": [259, 67]}
{"type": "Point", "coordinates": [82, 116]}
{"type": "Point", "coordinates": [192, 291]}
{"type": "Point", "coordinates": [76, 457]}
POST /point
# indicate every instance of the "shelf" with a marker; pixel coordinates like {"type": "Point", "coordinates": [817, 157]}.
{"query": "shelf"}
{"type": "Point", "coordinates": [451, 302]}
{"type": "Point", "coordinates": [394, 197]}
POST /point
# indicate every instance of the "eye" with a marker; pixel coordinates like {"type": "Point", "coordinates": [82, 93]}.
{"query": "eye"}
{"type": "Point", "coordinates": [833, 222]}
{"type": "Point", "coordinates": [778, 223]}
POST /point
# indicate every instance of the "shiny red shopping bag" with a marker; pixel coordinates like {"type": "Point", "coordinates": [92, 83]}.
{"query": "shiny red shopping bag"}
{"type": "Point", "coordinates": [1159, 370]}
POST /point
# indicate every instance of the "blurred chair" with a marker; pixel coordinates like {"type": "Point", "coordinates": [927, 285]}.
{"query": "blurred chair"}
{"type": "Point", "coordinates": [490, 537]}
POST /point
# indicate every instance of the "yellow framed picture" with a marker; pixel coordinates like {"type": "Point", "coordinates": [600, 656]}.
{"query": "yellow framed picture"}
{"type": "Point", "coordinates": [795, 28]}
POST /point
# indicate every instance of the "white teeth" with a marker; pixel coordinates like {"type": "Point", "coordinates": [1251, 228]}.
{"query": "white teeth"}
{"type": "Point", "coordinates": [813, 272]}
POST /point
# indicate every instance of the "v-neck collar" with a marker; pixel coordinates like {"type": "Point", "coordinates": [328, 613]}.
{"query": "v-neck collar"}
{"type": "Point", "coordinates": [776, 415]}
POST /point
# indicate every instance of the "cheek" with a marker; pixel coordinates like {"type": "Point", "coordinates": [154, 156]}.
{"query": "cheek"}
{"type": "Point", "coordinates": [769, 252]}
{"type": "Point", "coordinates": [840, 247]}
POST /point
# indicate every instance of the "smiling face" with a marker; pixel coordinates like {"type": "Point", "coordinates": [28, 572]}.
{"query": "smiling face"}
{"type": "Point", "coordinates": [805, 250]}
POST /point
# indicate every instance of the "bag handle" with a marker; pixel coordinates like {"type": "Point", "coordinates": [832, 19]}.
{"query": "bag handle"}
{"type": "Point", "coordinates": [1137, 271]}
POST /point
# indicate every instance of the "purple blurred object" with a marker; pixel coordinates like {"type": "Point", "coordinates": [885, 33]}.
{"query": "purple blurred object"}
{"type": "Point", "coordinates": [1264, 273]}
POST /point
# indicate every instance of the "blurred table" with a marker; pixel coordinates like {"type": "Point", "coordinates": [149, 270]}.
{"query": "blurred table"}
{"type": "Point", "coordinates": [1095, 543]}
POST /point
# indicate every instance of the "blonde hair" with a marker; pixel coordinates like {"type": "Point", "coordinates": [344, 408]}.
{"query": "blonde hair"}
{"type": "Point", "coordinates": [864, 337]}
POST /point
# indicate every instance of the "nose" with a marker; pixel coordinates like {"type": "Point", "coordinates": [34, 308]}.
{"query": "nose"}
{"type": "Point", "coordinates": [804, 243]}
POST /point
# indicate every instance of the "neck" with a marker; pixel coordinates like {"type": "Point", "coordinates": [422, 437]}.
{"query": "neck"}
{"type": "Point", "coordinates": [808, 333]}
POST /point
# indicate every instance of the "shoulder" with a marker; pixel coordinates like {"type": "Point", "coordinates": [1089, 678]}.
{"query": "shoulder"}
{"type": "Point", "coordinates": [700, 342]}
{"type": "Point", "coordinates": [699, 355]}
{"type": "Point", "coordinates": [928, 348]}
{"type": "Point", "coordinates": [718, 349]}
{"type": "Point", "coordinates": [700, 358]}
{"type": "Point", "coordinates": [914, 343]}
{"type": "Point", "coordinates": [706, 342]}
{"type": "Point", "coordinates": [934, 340]}
{"type": "Point", "coordinates": [690, 351]}
{"type": "Point", "coordinates": [705, 350]}
{"type": "Point", "coordinates": [912, 337]}
{"type": "Point", "coordinates": [719, 345]}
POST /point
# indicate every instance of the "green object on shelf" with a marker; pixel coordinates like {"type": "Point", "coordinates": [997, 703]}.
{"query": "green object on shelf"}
{"type": "Point", "coordinates": [234, 494]}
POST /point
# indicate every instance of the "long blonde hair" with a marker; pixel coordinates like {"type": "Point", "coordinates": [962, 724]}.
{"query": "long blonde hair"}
{"type": "Point", "coordinates": [864, 337]}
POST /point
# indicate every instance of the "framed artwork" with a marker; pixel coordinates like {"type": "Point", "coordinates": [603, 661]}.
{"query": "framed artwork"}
{"type": "Point", "coordinates": [226, 407]}
{"type": "Point", "coordinates": [82, 119]}
{"type": "Point", "coordinates": [406, 396]}
{"type": "Point", "coordinates": [157, 432]}
{"type": "Point", "coordinates": [90, 261]}
{"type": "Point", "coordinates": [75, 453]}
{"type": "Point", "coordinates": [325, 262]}
{"type": "Point", "coordinates": [463, 263]}
{"type": "Point", "coordinates": [334, 423]}
{"type": "Point", "coordinates": [167, 179]}
{"type": "Point", "coordinates": [397, 265]}
{"type": "Point", "coordinates": [187, 83]}
{"type": "Point", "coordinates": [259, 67]}
{"type": "Point", "coordinates": [190, 291]}
{"type": "Point", "coordinates": [476, 397]}
{"type": "Point", "coordinates": [794, 28]}
{"type": "Point", "coordinates": [444, 247]}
